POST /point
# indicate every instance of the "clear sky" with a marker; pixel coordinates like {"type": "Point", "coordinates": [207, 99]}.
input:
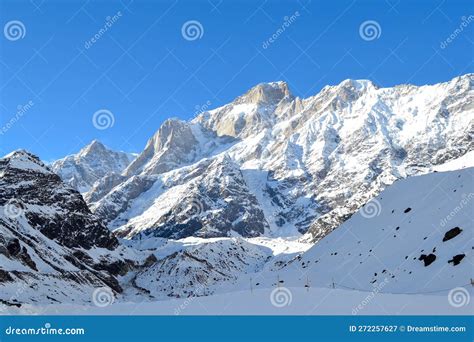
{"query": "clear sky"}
{"type": "Point", "coordinates": [143, 68]}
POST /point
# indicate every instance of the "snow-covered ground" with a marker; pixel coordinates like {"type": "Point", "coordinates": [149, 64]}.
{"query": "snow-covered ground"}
{"type": "Point", "coordinates": [196, 266]}
{"type": "Point", "coordinates": [281, 301]}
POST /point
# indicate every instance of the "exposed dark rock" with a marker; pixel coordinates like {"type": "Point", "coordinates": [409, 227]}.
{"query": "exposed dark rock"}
{"type": "Point", "coordinates": [457, 259]}
{"type": "Point", "coordinates": [5, 276]}
{"type": "Point", "coordinates": [452, 233]}
{"type": "Point", "coordinates": [427, 259]}
{"type": "Point", "coordinates": [219, 204]}
{"type": "Point", "coordinates": [7, 303]}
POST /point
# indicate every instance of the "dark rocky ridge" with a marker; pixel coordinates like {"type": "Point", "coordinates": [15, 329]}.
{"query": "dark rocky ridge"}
{"type": "Point", "coordinates": [39, 186]}
{"type": "Point", "coordinates": [52, 246]}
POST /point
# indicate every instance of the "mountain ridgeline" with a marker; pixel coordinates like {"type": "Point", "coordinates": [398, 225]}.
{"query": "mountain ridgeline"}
{"type": "Point", "coordinates": [272, 164]}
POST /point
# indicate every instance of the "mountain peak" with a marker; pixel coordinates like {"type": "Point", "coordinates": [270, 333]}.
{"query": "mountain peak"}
{"type": "Point", "coordinates": [359, 85]}
{"type": "Point", "coordinates": [170, 130]}
{"type": "Point", "coordinates": [24, 160]}
{"type": "Point", "coordinates": [95, 146]}
{"type": "Point", "coordinates": [91, 163]}
{"type": "Point", "coordinates": [266, 93]}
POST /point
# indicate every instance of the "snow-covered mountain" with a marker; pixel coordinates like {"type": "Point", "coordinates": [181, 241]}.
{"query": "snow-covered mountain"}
{"type": "Point", "coordinates": [52, 248]}
{"type": "Point", "coordinates": [92, 163]}
{"type": "Point", "coordinates": [416, 237]}
{"type": "Point", "coordinates": [273, 164]}
{"type": "Point", "coordinates": [217, 204]}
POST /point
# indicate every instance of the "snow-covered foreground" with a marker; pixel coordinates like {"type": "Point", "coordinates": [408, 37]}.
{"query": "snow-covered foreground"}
{"type": "Point", "coordinates": [279, 301]}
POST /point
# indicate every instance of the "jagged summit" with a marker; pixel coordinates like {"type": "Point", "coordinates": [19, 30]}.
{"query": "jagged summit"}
{"type": "Point", "coordinates": [266, 93]}
{"type": "Point", "coordinates": [171, 144]}
{"type": "Point", "coordinates": [94, 147]}
{"type": "Point", "coordinates": [272, 166]}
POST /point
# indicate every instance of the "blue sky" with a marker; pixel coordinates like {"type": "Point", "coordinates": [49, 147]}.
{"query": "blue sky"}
{"type": "Point", "coordinates": [142, 70]}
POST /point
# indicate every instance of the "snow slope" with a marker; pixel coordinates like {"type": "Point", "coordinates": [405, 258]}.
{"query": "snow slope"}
{"type": "Point", "coordinates": [415, 237]}
{"type": "Point", "coordinates": [410, 246]}
{"type": "Point", "coordinates": [244, 176]}
{"type": "Point", "coordinates": [463, 162]}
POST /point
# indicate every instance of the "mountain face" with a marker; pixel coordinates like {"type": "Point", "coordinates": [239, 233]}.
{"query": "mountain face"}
{"type": "Point", "coordinates": [415, 237]}
{"type": "Point", "coordinates": [51, 246]}
{"type": "Point", "coordinates": [292, 165]}
{"type": "Point", "coordinates": [214, 203]}
{"type": "Point", "coordinates": [92, 163]}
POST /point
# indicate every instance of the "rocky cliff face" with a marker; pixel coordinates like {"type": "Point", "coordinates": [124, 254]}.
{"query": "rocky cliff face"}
{"type": "Point", "coordinates": [216, 201]}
